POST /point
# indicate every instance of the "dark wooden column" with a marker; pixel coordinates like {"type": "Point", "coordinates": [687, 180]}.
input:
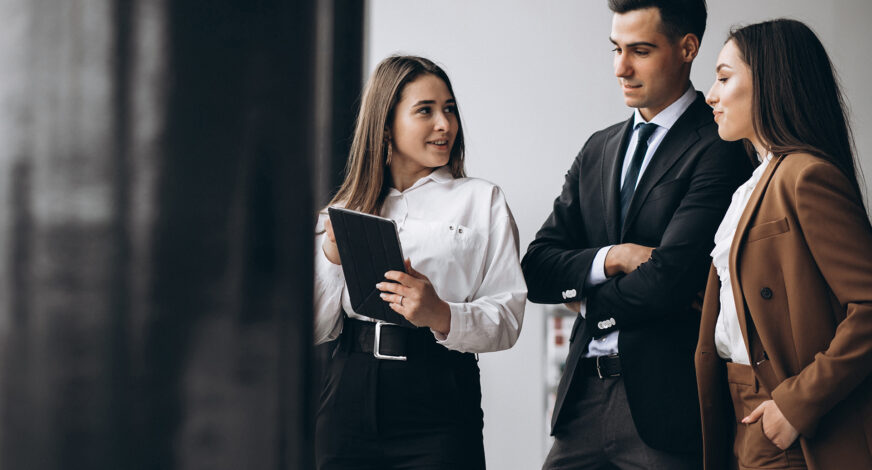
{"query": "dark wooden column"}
{"type": "Point", "coordinates": [157, 194]}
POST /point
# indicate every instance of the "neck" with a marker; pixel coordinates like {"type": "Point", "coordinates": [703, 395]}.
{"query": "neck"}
{"type": "Point", "coordinates": [649, 113]}
{"type": "Point", "coordinates": [761, 149]}
{"type": "Point", "coordinates": [403, 178]}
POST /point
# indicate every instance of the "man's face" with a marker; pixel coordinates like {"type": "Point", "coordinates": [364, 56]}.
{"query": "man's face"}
{"type": "Point", "coordinates": [651, 69]}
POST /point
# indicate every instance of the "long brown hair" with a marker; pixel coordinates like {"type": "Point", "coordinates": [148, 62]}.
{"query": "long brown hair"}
{"type": "Point", "coordinates": [798, 104]}
{"type": "Point", "coordinates": [366, 181]}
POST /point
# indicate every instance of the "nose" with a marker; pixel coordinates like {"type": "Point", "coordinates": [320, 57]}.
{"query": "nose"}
{"type": "Point", "coordinates": [441, 122]}
{"type": "Point", "coordinates": [622, 66]}
{"type": "Point", "coordinates": [712, 96]}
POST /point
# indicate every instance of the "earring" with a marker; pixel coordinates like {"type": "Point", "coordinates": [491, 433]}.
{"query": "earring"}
{"type": "Point", "coordinates": [390, 151]}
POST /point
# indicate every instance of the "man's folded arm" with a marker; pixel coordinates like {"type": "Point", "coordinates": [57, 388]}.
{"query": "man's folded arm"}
{"type": "Point", "coordinates": [668, 282]}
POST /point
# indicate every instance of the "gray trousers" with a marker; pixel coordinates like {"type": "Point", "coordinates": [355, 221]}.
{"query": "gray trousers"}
{"type": "Point", "coordinates": [599, 434]}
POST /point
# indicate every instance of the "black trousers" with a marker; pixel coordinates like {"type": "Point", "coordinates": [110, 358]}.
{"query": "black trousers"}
{"type": "Point", "coordinates": [423, 413]}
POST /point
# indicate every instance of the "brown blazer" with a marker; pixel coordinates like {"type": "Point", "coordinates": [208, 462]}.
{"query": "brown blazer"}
{"type": "Point", "coordinates": [801, 269]}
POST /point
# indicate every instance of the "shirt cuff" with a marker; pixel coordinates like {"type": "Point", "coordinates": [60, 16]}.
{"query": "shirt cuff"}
{"type": "Point", "coordinates": [455, 334]}
{"type": "Point", "coordinates": [597, 273]}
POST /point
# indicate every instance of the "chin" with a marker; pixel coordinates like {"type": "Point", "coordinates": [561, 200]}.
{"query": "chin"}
{"type": "Point", "coordinates": [725, 134]}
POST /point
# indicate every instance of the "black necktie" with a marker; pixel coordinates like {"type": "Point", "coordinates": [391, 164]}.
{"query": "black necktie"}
{"type": "Point", "coordinates": [629, 186]}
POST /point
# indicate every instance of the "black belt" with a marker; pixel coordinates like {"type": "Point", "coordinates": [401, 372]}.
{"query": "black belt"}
{"type": "Point", "coordinates": [601, 366]}
{"type": "Point", "coordinates": [388, 341]}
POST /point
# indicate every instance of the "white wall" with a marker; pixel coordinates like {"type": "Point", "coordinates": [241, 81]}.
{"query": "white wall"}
{"type": "Point", "coordinates": [533, 80]}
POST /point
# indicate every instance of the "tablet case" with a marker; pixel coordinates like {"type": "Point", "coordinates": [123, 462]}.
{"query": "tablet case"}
{"type": "Point", "coordinates": [369, 246]}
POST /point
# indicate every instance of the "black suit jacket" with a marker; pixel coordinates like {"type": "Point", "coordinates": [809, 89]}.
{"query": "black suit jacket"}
{"type": "Point", "coordinates": [676, 208]}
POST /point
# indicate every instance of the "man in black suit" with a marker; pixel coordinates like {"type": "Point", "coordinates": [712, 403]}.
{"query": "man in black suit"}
{"type": "Point", "coordinates": [627, 245]}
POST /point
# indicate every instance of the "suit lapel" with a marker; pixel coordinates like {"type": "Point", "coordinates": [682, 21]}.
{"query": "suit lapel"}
{"type": "Point", "coordinates": [736, 245]}
{"type": "Point", "coordinates": [612, 161]}
{"type": "Point", "coordinates": [680, 137]}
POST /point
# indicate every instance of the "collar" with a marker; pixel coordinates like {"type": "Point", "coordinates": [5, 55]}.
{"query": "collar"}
{"type": "Point", "coordinates": [439, 175]}
{"type": "Point", "coordinates": [671, 113]}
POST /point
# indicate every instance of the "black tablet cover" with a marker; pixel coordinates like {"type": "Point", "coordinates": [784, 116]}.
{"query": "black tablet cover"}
{"type": "Point", "coordinates": [368, 247]}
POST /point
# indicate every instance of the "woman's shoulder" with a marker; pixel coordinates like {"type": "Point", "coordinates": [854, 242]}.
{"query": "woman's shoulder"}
{"type": "Point", "coordinates": [795, 165]}
{"type": "Point", "coordinates": [479, 188]}
{"type": "Point", "coordinates": [477, 184]}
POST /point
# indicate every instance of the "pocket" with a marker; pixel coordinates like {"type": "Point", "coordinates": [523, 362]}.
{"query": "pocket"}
{"type": "Point", "coordinates": [752, 448]}
{"type": "Point", "coordinates": [447, 247]}
{"type": "Point", "coordinates": [759, 451]}
{"type": "Point", "coordinates": [767, 229]}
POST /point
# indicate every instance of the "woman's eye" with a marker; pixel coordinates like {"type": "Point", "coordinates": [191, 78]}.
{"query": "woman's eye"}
{"type": "Point", "coordinates": [722, 79]}
{"type": "Point", "coordinates": [424, 110]}
{"type": "Point", "coordinates": [450, 109]}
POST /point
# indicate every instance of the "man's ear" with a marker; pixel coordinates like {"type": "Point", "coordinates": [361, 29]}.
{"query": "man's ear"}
{"type": "Point", "coordinates": [689, 47]}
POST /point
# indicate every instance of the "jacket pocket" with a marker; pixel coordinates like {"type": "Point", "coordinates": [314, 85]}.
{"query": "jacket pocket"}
{"type": "Point", "coordinates": [767, 229]}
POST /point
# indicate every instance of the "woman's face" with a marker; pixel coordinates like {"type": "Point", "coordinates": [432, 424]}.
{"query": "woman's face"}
{"type": "Point", "coordinates": [425, 125]}
{"type": "Point", "coordinates": [731, 96]}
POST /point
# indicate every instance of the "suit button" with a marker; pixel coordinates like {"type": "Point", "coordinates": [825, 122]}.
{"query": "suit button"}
{"type": "Point", "coordinates": [766, 293]}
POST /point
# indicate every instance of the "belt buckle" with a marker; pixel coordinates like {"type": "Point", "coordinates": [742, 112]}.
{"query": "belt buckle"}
{"type": "Point", "coordinates": [375, 347]}
{"type": "Point", "coordinates": [599, 371]}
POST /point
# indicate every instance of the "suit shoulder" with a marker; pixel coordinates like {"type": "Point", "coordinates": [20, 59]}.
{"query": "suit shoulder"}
{"type": "Point", "coordinates": [608, 131]}
{"type": "Point", "coordinates": [797, 166]}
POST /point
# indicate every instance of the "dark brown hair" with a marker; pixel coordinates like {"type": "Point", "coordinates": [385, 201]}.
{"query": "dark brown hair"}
{"type": "Point", "coordinates": [797, 101]}
{"type": "Point", "coordinates": [677, 17]}
{"type": "Point", "coordinates": [366, 173]}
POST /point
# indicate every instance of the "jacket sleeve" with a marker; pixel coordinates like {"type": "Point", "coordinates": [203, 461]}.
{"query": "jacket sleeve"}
{"type": "Point", "coordinates": [837, 231]}
{"type": "Point", "coordinates": [558, 261]}
{"type": "Point", "coordinates": [676, 272]}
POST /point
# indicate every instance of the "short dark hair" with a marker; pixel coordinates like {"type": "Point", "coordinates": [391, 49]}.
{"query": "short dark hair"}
{"type": "Point", "coordinates": [797, 104]}
{"type": "Point", "coordinates": [678, 17]}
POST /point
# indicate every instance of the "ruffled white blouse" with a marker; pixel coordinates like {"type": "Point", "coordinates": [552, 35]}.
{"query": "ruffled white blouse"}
{"type": "Point", "coordinates": [728, 335]}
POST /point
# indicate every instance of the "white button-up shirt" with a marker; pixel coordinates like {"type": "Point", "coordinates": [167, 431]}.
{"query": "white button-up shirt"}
{"type": "Point", "coordinates": [665, 119]}
{"type": "Point", "coordinates": [729, 342]}
{"type": "Point", "coordinates": [459, 233]}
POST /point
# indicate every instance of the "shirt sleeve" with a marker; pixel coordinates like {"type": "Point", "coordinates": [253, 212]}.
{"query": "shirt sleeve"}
{"type": "Point", "coordinates": [329, 285]}
{"type": "Point", "coordinates": [491, 321]}
{"type": "Point", "coordinates": [597, 273]}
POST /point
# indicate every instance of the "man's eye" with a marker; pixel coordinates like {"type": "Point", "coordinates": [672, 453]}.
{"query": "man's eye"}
{"type": "Point", "coordinates": [641, 52]}
{"type": "Point", "coordinates": [617, 50]}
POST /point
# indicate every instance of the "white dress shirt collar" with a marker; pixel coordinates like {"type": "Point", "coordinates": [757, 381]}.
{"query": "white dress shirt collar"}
{"type": "Point", "coordinates": [671, 113]}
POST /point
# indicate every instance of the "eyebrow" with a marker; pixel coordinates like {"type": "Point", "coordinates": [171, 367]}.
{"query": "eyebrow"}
{"type": "Point", "coordinates": [720, 66]}
{"type": "Point", "coordinates": [423, 102]}
{"type": "Point", "coordinates": [635, 44]}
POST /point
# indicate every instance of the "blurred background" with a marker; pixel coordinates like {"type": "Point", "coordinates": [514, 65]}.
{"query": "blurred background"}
{"type": "Point", "coordinates": [160, 166]}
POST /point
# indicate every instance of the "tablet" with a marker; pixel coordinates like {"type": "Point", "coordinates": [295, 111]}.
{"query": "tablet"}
{"type": "Point", "coordinates": [369, 246]}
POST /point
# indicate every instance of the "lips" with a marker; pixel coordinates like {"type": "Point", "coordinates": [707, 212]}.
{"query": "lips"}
{"type": "Point", "coordinates": [440, 144]}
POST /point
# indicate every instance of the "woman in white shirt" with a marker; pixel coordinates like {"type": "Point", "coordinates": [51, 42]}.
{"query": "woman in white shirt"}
{"type": "Point", "coordinates": [464, 289]}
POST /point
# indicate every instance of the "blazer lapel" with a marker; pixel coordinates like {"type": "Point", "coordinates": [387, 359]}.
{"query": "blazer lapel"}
{"type": "Point", "coordinates": [612, 161]}
{"type": "Point", "coordinates": [680, 137]}
{"type": "Point", "coordinates": [736, 245]}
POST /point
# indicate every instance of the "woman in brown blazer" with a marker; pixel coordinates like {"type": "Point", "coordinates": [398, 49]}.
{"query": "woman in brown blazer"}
{"type": "Point", "coordinates": [784, 360]}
